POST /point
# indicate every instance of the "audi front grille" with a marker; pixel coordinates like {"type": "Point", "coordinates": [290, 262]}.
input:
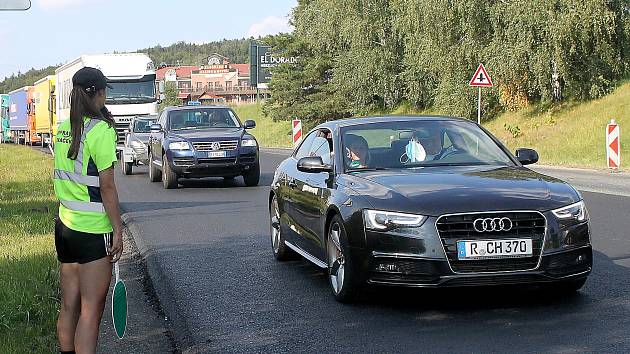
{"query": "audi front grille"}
{"type": "Point", "coordinates": [223, 145]}
{"type": "Point", "coordinates": [459, 227]}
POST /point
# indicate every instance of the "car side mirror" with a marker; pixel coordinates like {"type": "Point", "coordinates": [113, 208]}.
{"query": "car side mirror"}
{"type": "Point", "coordinates": [249, 124]}
{"type": "Point", "coordinates": [156, 128]}
{"type": "Point", "coordinates": [526, 156]}
{"type": "Point", "coordinates": [313, 164]}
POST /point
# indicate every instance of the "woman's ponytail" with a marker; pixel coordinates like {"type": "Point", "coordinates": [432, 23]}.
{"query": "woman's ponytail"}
{"type": "Point", "coordinates": [82, 105]}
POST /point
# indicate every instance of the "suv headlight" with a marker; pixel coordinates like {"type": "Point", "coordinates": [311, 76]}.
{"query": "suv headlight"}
{"type": "Point", "coordinates": [574, 212]}
{"type": "Point", "coordinates": [387, 220]}
{"type": "Point", "coordinates": [179, 145]}
{"type": "Point", "coordinates": [249, 142]}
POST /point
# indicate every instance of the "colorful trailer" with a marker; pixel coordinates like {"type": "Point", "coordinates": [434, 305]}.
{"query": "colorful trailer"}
{"type": "Point", "coordinates": [45, 108]}
{"type": "Point", "coordinates": [18, 115]}
{"type": "Point", "coordinates": [31, 135]}
{"type": "Point", "coordinates": [4, 118]}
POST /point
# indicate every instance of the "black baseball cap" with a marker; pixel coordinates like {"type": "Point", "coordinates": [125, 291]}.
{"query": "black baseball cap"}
{"type": "Point", "coordinates": [90, 79]}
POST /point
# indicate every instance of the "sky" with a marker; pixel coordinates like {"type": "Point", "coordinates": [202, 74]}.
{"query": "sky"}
{"type": "Point", "coordinates": [53, 32]}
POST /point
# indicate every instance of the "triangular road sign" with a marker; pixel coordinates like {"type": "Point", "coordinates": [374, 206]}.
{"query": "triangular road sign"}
{"type": "Point", "coordinates": [481, 78]}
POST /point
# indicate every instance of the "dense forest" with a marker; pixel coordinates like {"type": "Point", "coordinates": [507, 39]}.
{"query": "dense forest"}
{"type": "Point", "coordinates": [179, 53]}
{"type": "Point", "coordinates": [361, 56]}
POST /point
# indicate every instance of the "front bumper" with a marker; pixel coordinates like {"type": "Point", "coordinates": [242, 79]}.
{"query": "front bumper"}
{"type": "Point", "coordinates": [191, 164]}
{"type": "Point", "coordinates": [385, 269]}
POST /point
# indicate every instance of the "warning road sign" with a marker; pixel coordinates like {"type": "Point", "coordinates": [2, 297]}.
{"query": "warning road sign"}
{"type": "Point", "coordinates": [481, 78]}
{"type": "Point", "coordinates": [297, 132]}
{"type": "Point", "coordinates": [613, 155]}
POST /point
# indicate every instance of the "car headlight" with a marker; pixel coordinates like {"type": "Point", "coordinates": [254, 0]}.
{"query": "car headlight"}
{"type": "Point", "coordinates": [387, 220]}
{"type": "Point", "coordinates": [573, 212]}
{"type": "Point", "coordinates": [179, 145]}
{"type": "Point", "coordinates": [248, 142]}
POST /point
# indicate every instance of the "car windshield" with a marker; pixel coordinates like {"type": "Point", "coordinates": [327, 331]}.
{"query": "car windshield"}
{"type": "Point", "coordinates": [203, 118]}
{"type": "Point", "coordinates": [417, 144]}
{"type": "Point", "coordinates": [142, 126]}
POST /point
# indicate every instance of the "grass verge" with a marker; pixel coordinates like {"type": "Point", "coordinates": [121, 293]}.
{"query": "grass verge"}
{"type": "Point", "coordinates": [267, 132]}
{"type": "Point", "coordinates": [28, 267]}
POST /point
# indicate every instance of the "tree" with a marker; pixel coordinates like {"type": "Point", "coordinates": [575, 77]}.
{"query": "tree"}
{"type": "Point", "coordinates": [170, 96]}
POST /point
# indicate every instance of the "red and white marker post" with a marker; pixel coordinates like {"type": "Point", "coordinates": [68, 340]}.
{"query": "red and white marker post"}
{"type": "Point", "coordinates": [613, 145]}
{"type": "Point", "coordinates": [480, 79]}
{"type": "Point", "coordinates": [297, 132]}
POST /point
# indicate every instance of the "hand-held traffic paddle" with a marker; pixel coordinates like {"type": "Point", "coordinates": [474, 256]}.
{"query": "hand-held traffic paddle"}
{"type": "Point", "coordinates": [119, 305]}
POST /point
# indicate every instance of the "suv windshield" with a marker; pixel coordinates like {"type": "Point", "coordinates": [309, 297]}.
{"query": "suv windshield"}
{"type": "Point", "coordinates": [142, 126]}
{"type": "Point", "coordinates": [203, 118]}
{"type": "Point", "coordinates": [412, 144]}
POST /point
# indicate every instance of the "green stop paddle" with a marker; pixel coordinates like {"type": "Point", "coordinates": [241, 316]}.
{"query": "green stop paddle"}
{"type": "Point", "coordinates": [119, 305]}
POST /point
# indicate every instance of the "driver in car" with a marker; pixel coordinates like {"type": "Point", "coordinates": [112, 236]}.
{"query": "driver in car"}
{"type": "Point", "coordinates": [357, 151]}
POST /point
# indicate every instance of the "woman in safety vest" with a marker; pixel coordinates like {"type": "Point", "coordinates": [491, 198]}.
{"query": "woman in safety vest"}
{"type": "Point", "coordinates": [88, 231]}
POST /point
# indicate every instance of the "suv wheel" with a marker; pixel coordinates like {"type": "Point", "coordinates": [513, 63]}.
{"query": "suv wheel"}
{"type": "Point", "coordinates": [341, 274]}
{"type": "Point", "coordinates": [252, 177]}
{"type": "Point", "coordinates": [169, 178]}
{"type": "Point", "coordinates": [155, 175]}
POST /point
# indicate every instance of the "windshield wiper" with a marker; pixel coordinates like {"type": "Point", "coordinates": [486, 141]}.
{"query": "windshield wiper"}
{"type": "Point", "coordinates": [364, 169]}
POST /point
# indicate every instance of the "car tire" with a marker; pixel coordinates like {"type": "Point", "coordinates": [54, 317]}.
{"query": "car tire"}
{"type": "Point", "coordinates": [280, 250]}
{"type": "Point", "coordinates": [155, 175]}
{"type": "Point", "coordinates": [342, 276]}
{"type": "Point", "coordinates": [252, 177]}
{"type": "Point", "coordinates": [169, 178]}
{"type": "Point", "coordinates": [127, 168]}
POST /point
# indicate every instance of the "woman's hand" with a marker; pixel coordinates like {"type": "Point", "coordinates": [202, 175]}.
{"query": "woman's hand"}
{"type": "Point", "coordinates": [115, 251]}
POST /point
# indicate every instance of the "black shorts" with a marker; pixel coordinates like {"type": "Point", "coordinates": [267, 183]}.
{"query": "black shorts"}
{"type": "Point", "coordinates": [79, 247]}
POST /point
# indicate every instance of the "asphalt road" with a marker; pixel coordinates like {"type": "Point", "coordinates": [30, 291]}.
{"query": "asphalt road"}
{"type": "Point", "coordinates": [208, 253]}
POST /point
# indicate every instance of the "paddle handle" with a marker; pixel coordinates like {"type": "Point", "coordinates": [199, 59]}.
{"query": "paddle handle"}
{"type": "Point", "coordinates": [116, 271]}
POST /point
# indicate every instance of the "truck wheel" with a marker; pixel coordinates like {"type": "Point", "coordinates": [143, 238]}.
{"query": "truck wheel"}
{"type": "Point", "coordinates": [252, 177]}
{"type": "Point", "coordinates": [155, 175]}
{"type": "Point", "coordinates": [169, 178]}
{"type": "Point", "coordinates": [127, 167]}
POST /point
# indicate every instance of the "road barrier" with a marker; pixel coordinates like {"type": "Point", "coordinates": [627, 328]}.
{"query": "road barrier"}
{"type": "Point", "coordinates": [297, 132]}
{"type": "Point", "coordinates": [613, 145]}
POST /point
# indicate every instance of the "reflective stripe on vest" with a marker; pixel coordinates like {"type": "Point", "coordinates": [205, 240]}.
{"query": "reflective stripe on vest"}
{"type": "Point", "coordinates": [90, 181]}
{"type": "Point", "coordinates": [78, 177]}
{"type": "Point", "coordinates": [83, 206]}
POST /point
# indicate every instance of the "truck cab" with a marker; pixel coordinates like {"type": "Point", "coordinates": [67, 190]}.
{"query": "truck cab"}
{"type": "Point", "coordinates": [202, 141]}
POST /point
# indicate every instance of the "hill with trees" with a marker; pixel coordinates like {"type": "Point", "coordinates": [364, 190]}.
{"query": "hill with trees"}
{"type": "Point", "coordinates": [362, 56]}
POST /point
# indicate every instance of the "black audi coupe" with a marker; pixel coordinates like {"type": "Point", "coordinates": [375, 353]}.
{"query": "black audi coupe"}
{"type": "Point", "coordinates": [425, 202]}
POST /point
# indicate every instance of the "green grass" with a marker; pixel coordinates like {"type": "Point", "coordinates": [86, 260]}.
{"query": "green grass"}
{"type": "Point", "coordinates": [570, 134]}
{"type": "Point", "coordinates": [267, 132]}
{"type": "Point", "coordinates": [29, 287]}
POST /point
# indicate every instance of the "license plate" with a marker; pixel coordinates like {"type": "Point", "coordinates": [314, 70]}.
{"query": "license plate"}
{"type": "Point", "coordinates": [216, 153]}
{"type": "Point", "coordinates": [494, 249]}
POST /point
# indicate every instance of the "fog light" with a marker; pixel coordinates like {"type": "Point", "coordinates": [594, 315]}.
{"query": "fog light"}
{"type": "Point", "coordinates": [388, 267]}
{"type": "Point", "coordinates": [581, 258]}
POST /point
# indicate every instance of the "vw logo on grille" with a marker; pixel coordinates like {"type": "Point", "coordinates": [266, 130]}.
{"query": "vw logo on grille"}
{"type": "Point", "coordinates": [215, 146]}
{"type": "Point", "coordinates": [492, 224]}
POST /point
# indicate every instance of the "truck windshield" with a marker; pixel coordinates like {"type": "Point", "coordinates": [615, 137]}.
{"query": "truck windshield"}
{"type": "Point", "coordinates": [203, 118]}
{"type": "Point", "coordinates": [125, 92]}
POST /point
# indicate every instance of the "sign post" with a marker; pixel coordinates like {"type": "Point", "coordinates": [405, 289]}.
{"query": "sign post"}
{"type": "Point", "coordinates": [297, 132]}
{"type": "Point", "coordinates": [480, 79]}
{"type": "Point", "coordinates": [613, 145]}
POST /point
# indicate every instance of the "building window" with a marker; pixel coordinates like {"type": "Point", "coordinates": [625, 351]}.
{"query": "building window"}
{"type": "Point", "coordinates": [228, 85]}
{"type": "Point", "coordinates": [199, 86]}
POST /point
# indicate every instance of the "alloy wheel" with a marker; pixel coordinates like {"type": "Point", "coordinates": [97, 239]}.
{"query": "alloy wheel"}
{"type": "Point", "coordinates": [275, 226]}
{"type": "Point", "coordinates": [336, 260]}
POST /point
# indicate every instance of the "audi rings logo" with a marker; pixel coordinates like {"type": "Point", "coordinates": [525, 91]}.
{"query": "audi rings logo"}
{"type": "Point", "coordinates": [492, 224]}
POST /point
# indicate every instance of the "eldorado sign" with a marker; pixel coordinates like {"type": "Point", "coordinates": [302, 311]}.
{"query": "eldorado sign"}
{"type": "Point", "coordinates": [261, 60]}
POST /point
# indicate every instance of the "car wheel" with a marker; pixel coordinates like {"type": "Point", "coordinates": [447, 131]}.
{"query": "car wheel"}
{"type": "Point", "coordinates": [280, 250]}
{"type": "Point", "coordinates": [252, 177]}
{"type": "Point", "coordinates": [155, 175]}
{"type": "Point", "coordinates": [169, 178]}
{"type": "Point", "coordinates": [341, 274]}
{"type": "Point", "coordinates": [127, 167]}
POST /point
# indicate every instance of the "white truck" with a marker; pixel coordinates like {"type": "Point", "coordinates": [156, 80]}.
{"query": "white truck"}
{"type": "Point", "coordinates": [132, 77]}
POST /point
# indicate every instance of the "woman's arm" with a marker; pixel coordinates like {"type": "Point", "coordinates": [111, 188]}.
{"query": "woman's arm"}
{"type": "Point", "coordinates": [109, 194]}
